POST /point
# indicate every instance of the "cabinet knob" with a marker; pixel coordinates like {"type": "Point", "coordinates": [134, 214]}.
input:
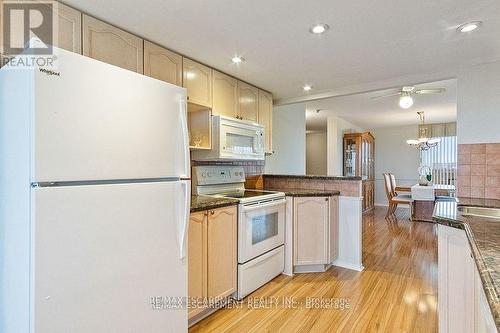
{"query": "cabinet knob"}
{"type": "Point", "coordinates": [212, 212]}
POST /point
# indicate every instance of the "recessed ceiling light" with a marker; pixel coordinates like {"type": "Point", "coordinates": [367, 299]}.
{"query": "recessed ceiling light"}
{"type": "Point", "coordinates": [237, 60]}
{"type": "Point", "coordinates": [319, 28]}
{"type": "Point", "coordinates": [470, 26]}
{"type": "Point", "coordinates": [307, 87]}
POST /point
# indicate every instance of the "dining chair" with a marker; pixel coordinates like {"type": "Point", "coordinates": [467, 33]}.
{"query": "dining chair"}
{"type": "Point", "coordinates": [399, 189]}
{"type": "Point", "coordinates": [394, 197]}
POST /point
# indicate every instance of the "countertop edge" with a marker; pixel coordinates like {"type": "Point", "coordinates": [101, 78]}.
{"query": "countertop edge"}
{"type": "Point", "coordinates": [306, 192]}
{"type": "Point", "coordinates": [217, 203]}
{"type": "Point", "coordinates": [318, 177]}
{"type": "Point", "coordinates": [486, 279]}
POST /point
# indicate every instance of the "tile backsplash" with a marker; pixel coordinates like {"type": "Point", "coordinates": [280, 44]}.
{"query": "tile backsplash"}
{"type": "Point", "coordinates": [479, 170]}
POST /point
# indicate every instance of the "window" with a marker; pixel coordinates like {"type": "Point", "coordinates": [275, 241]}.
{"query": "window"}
{"type": "Point", "coordinates": [442, 160]}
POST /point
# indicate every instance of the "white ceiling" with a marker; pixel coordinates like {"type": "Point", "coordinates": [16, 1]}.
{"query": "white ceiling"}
{"type": "Point", "coordinates": [364, 111]}
{"type": "Point", "coordinates": [369, 41]}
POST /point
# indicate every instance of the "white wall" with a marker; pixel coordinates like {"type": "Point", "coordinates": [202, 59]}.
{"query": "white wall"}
{"type": "Point", "coordinates": [336, 127]}
{"type": "Point", "coordinates": [478, 109]}
{"type": "Point", "coordinates": [316, 163]}
{"type": "Point", "coordinates": [392, 154]}
{"type": "Point", "coordinates": [289, 140]}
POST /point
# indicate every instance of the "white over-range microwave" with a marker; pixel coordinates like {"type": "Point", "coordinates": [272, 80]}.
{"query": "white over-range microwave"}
{"type": "Point", "coordinates": [233, 139]}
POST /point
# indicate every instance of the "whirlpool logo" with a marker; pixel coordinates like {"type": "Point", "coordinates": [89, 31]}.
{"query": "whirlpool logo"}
{"type": "Point", "coordinates": [49, 72]}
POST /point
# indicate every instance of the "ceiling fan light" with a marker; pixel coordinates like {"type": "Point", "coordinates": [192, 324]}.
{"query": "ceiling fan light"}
{"type": "Point", "coordinates": [406, 101]}
{"type": "Point", "coordinates": [433, 141]}
{"type": "Point", "coordinates": [412, 142]}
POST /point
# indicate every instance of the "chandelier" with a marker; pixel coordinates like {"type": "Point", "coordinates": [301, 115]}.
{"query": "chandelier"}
{"type": "Point", "coordinates": [424, 141]}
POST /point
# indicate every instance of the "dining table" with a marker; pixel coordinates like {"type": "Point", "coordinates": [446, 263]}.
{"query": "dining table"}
{"type": "Point", "coordinates": [424, 198]}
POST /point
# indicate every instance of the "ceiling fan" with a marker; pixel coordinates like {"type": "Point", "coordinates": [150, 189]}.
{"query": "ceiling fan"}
{"type": "Point", "coordinates": [406, 93]}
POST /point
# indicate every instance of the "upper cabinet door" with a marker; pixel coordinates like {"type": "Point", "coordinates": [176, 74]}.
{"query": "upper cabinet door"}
{"type": "Point", "coordinates": [225, 95]}
{"type": "Point", "coordinates": [197, 79]}
{"type": "Point", "coordinates": [248, 98]}
{"type": "Point", "coordinates": [109, 44]}
{"type": "Point", "coordinates": [266, 117]}
{"type": "Point", "coordinates": [162, 64]}
{"type": "Point", "coordinates": [70, 29]}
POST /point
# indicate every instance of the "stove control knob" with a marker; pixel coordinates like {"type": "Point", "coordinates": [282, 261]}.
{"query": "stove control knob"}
{"type": "Point", "coordinates": [210, 174]}
{"type": "Point", "coordinates": [204, 175]}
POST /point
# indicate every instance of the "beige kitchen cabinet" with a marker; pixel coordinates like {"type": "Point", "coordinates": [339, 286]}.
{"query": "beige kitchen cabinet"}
{"type": "Point", "coordinates": [200, 127]}
{"type": "Point", "coordinates": [466, 310]}
{"type": "Point", "coordinates": [69, 29]}
{"type": "Point", "coordinates": [225, 100]}
{"type": "Point", "coordinates": [69, 25]}
{"type": "Point", "coordinates": [114, 46]}
{"type": "Point", "coordinates": [456, 272]}
{"type": "Point", "coordinates": [212, 256]}
{"type": "Point", "coordinates": [333, 243]}
{"type": "Point", "coordinates": [197, 79]}
{"type": "Point", "coordinates": [222, 252]}
{"type": "Point", "coordinates": [248, 99]}
{"type": "Point", "coordinates": [197, 259]}
{"type": "Point", "coordinates": [265, 118]}
{"type": "Point", "coordinates": [162, 64]}
{"type": "Point", "coordinates": [315, 223]}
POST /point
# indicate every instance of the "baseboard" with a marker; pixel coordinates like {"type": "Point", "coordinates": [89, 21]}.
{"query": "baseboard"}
{"type": "Point", "coordinates": [318, 268]}
{"type": "Point", "coordinates": [348, 265]}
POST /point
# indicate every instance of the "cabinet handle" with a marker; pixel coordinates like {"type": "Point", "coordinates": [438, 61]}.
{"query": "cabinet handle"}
{"type": "Point", "coordinates": [212, 212]}
{"type": "Point", "coordinates": [326, 199]}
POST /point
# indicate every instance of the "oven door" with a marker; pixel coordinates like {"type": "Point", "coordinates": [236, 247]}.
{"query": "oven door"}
{"type": "Point", "coordinates": [261, 228]}
{"type": "Point", "coordinates": [239, 140]}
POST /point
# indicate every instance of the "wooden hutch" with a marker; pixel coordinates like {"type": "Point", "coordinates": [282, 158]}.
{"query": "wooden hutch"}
{"type": "Point", "coordinates": [359, 160]}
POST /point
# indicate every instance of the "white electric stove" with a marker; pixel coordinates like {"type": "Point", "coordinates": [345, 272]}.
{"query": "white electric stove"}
{"type": "Point", "coordinates": [261, 223]}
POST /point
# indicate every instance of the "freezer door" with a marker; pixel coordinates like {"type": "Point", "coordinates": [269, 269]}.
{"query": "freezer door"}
{"type": "Point", "coordinates": [107, 258]}
{"type": "Point", "coordinates": [95, 121]}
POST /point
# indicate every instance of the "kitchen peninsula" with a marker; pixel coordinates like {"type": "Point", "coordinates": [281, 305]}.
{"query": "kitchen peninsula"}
{"type": "Point", "coordinates": [337, 201]}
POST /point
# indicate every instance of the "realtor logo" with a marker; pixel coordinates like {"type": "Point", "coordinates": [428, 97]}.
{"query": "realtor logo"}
{"type": "Point", "coordinates": [25, 20]}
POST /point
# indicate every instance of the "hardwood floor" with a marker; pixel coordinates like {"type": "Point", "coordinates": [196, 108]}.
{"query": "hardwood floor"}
{"type": "Point", "coordinates": [397, 291]}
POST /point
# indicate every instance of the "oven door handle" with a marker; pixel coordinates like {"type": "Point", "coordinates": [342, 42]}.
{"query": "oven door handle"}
{"type": "Point", "coordinates": [265, 205]}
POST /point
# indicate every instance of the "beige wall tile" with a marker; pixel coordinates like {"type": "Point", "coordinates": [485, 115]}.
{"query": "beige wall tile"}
{"type": "Point", "coordinates": [477, 192]}
{"type": "Point", "coordinates": [478, 181]}
{"type": "Point", "coordinates": [477, 158]}
{"type": "Point", "coordinates": [478, 170]}
{"type": "Point", "coordinates": [478, 148]}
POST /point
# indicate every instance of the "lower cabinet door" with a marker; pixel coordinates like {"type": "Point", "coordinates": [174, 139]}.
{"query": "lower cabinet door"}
{"type": "Point", "coordinates": [222, 252]}
{"type": "Point", "coordinates": [333, 242]}
{"type": "Point", "coordinates": [197, 262]}
{"type": "Point", "coordinates": [456, 281]}
{"type": "Point", "coordinates": [311, 230]}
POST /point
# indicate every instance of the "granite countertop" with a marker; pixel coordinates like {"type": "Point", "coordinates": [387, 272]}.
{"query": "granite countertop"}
{"type": "Point", "coordinates": [484, 238]}
{"type": "Point", "coordinates": [304, 193]}
{"type": "Point", "coordinates": [201, 202]}
{"type": "Point", "coordinates": [316, 177]}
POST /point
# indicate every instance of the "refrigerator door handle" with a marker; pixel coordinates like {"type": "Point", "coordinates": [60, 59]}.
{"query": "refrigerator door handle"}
{"type": "Point", "coordinates": [185, 138]}
{"type": "Point", "coordinates": [184, 221]}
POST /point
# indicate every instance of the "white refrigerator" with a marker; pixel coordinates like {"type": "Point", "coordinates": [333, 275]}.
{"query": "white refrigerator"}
{"type": "Point", "coordinates": [94, 200]}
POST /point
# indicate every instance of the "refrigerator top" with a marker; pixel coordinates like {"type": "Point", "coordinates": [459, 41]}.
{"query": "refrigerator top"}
{"type": "Point", "coordinates": [95, 122]}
